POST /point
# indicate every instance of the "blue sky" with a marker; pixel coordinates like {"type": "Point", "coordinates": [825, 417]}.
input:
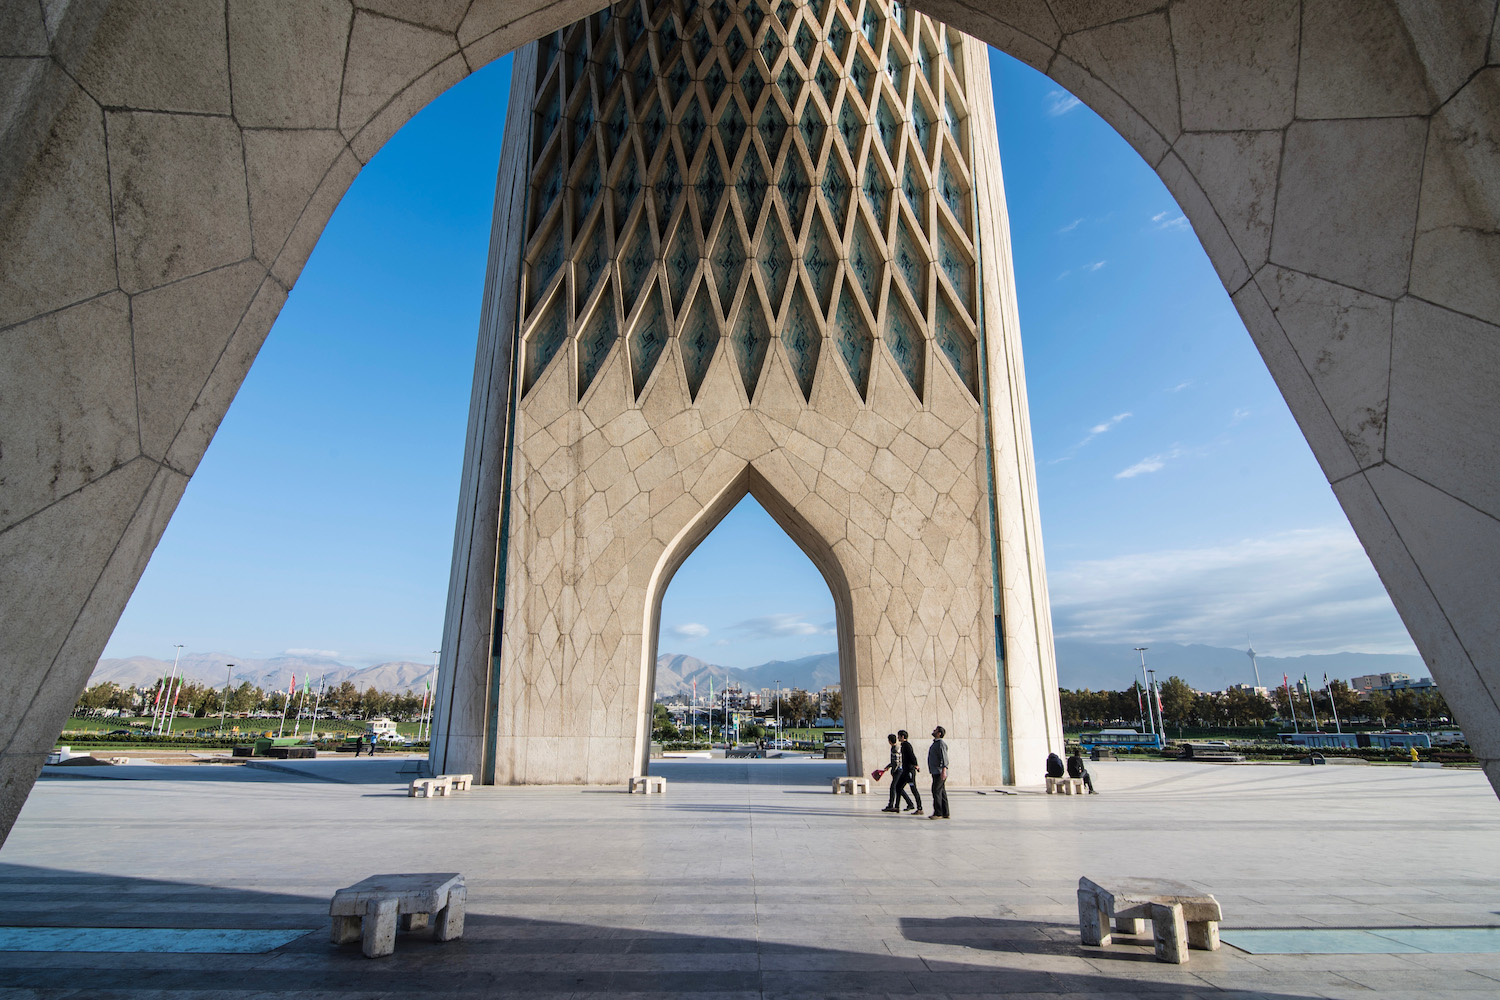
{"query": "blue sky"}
{"type": "Point", "coordinates": [1179, 500]}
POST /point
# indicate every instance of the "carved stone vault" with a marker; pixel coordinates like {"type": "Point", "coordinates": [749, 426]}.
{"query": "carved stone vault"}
{"type": "Point", "coordinates": [751, 247]}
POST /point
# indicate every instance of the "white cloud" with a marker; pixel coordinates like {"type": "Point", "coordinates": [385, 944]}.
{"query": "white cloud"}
{"type": "Point", "coordinates": [722, 642]}
{"type": "Point", "coordinates": [1166, 220]}
{"type": "Point", "coordinates": [692, 630]}
{"type": "Point", "coordinates": [781, 626]}
{"type": "Point", "coordinates": [1109, 424]}
{"type": "Point", "coordinates": [1071, 226]}
{"type": "Point", "coordinates": [1239, 414]}
{"type": "Point", "coordinates": [1060, 102]}
{"type": "Point", "coordinates": [331, 654]}
{"type": "Point", "coordinates": [1154, 463]}
{"type": "Point", "coordinates": [1094, 431]}
{"type": "Point", "coordinates": [1180, 386]}
{"type": "Point", "coordinates": [1151, 463]}
{"type": "Point", "coordinates": [1307, 591]}
{"type": "Point", "coordinates": [1095, 265]}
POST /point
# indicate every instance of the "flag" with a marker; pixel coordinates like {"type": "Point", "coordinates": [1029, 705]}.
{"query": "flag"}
{"type": "Point", "coordinates": [291, 688]}
{"type": "Point", "coordinates": [1140, 706]}
{"type": "Point", "coordinates": [306, 684]}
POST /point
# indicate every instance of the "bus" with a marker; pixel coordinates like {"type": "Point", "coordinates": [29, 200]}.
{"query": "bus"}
{"type": "Point", "coordinates": [1120, 739]}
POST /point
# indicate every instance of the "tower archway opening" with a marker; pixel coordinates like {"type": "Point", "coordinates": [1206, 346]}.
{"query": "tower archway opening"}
{"type": "Point", "coordinates": [747, 643]}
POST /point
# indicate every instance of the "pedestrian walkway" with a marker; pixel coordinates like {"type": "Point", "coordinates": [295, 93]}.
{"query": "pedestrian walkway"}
{"type": "Point", "coordinates": [749, 880]}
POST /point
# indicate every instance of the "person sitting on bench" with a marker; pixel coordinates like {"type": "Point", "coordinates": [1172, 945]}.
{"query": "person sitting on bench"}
{"type": "Point", "coordinates": [1077, 770]}
{"type": "Point", "coordinates": [1055, 768]}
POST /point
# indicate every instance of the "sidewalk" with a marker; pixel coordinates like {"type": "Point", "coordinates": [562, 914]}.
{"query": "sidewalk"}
{"type": "Point", "coordinates": [748, 879]}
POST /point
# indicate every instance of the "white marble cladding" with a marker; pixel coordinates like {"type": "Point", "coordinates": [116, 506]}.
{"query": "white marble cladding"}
{"type": "Point", "coordinates": [751, 266]}
{"type": "Point", "coordinates": [134, 305]}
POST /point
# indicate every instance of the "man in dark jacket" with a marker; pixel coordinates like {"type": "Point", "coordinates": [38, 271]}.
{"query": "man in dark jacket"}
{"type": "Point", "coordinates": [937, 765]}
{"type": "Point", "coordinates": [909, 770]}
{"type": "Point", "coordinates": [1077, 770]}
{"type": "Point", "coordinates": [1055, 767]}
{"type": "Point", "coordinates": [894, 767]}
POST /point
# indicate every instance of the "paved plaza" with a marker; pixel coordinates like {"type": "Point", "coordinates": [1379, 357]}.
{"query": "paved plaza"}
{"type": "Point", "coordinates": [748, 879]}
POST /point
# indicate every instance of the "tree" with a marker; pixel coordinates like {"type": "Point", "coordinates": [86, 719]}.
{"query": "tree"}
{"type": "Point", "coordinates": [95, 699]}
{"type": "Point", "coordinates": [244, 698]}
{"type": "Point", "coordinates": [835, 706]}
{"type": "Point", "coordinates": [1176, 700]}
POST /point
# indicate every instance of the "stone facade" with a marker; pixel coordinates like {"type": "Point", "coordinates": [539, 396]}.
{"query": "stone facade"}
{"type": "Point", "coordinates": [763, 251]}
{"type": "Point", "coordinates": [1384, 341]}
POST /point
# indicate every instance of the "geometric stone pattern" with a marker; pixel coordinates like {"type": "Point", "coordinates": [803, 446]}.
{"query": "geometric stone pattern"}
{"type": "Point", "coordinates": [130, 341]}
{"type": "Point", "coordinates": [715, 301]}
{"type": "Point", "coordinates": [664, 140]}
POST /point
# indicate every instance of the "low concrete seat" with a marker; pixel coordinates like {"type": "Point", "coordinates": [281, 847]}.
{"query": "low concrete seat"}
{"type": "Point", "coordinates": [851, 785]}
{"type": "Point", "coordinates": [1065, 786]}
{"type": "Point", "coordinates": [426, 788]}
{"type": "Point", "coordinates": [458, 782]}
{"type": "Point", "coordinates": [649, 783]}
{"type": "Point", "coordinates": [370, 910]}
{"type": "Point", "coordinates": [1181, 916]}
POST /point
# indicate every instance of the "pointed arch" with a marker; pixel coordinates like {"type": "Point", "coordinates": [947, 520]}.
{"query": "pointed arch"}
{"type": "Point", "coordinates": [819, 550]}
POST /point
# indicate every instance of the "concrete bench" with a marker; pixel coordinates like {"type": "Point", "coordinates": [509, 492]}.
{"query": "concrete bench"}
{"type": "Point", "coordinates": [1181, 916]}
{"type": "Point", "coordinates": [851, 785]}
{"type": "Point", "coordinates": [426, 788]}
{"type": "Point", "coordinates": [458, 782]}
{"type": "Point", "coordinates": [1064, 786]}
{"type": "Point", "coordinates": [648, 783]}
{"type": "Point", "coordinates": [371, 910]}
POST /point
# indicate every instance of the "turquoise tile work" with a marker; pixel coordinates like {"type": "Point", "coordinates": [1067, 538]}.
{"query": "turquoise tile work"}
{"type": "Point", "coordinates": [158, 940]}
{"type": "Point", "coordinates": [1367, 941]}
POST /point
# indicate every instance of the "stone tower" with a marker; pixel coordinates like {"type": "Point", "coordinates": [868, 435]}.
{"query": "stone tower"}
{"type": "Point", "coordinates": [758, 247]}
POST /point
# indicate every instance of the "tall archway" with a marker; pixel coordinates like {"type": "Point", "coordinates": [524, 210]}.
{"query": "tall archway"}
{"type": "Point", "coordinates": [818, 550]}
{"type": "Point", "coordinates": [1339, 180]}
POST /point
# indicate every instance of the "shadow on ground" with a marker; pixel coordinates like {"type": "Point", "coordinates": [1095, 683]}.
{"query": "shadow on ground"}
{"type": "Point", "coordinates": [341, 771]}
{"type": "Point", "coordinates": [501, 955]}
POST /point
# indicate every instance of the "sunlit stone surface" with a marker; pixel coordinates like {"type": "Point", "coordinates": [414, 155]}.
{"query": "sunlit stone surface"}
{"type": "Point", "coordinates": [761, 249]}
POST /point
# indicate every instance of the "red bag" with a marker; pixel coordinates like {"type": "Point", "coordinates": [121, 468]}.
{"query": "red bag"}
{"type": "Point", "coordinates": [877, 775]}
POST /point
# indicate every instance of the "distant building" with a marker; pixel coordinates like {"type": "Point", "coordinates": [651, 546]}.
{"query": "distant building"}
{"type": "Point", "coordinates": [1373, 682]}
{"type": "Point", "coordinates": [1409, 684]}
{"type": "Point", "coordinates": [1264, 692]}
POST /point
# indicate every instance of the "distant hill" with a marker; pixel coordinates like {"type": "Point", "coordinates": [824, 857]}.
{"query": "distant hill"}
{"type": "Point", "coordinates": [675, 674]}
{"type": "Point", "coordinates": [1093, 665]}
{"type": "Point", "coordinates": [270, 674]}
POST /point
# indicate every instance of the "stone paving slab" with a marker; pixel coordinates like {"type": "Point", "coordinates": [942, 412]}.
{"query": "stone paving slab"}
{"type": "Point", "coordinates": [739, 886]}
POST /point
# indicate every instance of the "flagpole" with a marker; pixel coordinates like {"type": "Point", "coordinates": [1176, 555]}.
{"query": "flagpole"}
{"type": "Point", "coordinates": [1310, 706]}
{"type": "Point", "coordinates": [166, 727]}
{"type": "Point", "coordinates": [431, 701]}
{"type": "Point", "coordinates": [313, 731]}
{"type": "Point", "coordinates": [1337, 726]}
{"type": "Point", "coordinates": [297, 729]}
{"type": "Point", "coordinates": [1287, 686]}
{"type": "Point", "coordinates": [290, 692]}
{"type": "Point", "coordinates": [171, 678]}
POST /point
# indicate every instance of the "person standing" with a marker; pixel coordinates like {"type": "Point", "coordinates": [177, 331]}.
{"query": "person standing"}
{"type": "Point", "coordinates": [895, 768]}
{"type": "Point", "coordinates": [937, 764]}
{"type": "Point", "coordinates": [909, 771]}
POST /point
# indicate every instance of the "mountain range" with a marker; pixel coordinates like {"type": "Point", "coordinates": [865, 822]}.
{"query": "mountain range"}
{"type": "Point", "coordinates": [1093, 665]}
